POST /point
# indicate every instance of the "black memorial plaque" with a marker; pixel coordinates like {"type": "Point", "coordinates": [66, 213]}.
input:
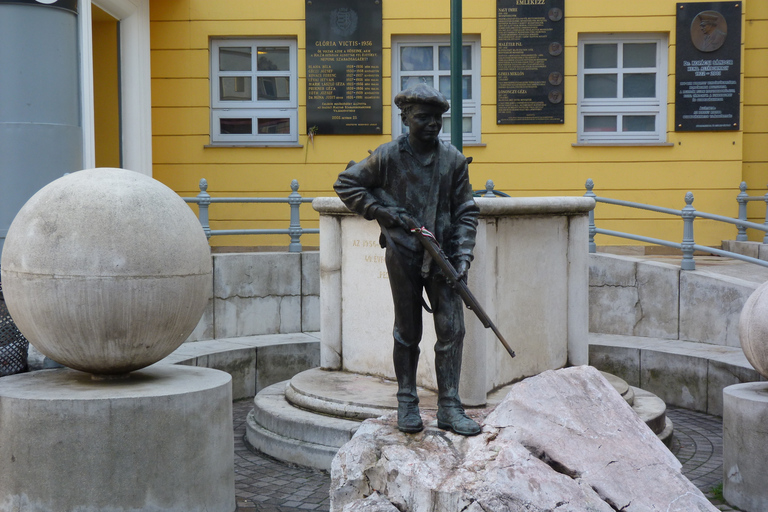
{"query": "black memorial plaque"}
{"type": "Point", "coordinates": [708, 69]}
{"type": "Point", "coordinates": [529, 61]}
{"type": "Point", "coordinates": [344, 67]}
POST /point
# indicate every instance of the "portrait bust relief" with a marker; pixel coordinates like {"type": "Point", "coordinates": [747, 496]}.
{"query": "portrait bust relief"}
{"type": "Point", "coordinates": [708, 31]}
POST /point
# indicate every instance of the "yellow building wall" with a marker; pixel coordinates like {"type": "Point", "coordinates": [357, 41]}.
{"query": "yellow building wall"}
{"type": "Point", "coordinates": [755, 117]}
{"type": "Point", "coordinates": [522, 160]}
{"type": "Point", "coordinates": [106, 89]}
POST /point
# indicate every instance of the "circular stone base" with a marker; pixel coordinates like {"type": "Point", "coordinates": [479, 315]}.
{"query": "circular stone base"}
{"type": "Point", "coordinates": [745, 451]}
{"type": "Point", "coordinates": [159, 440]}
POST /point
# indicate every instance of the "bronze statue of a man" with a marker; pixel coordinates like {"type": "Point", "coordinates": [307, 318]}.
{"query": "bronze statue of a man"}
{"type": "Point", "coordinates": [419, 180]}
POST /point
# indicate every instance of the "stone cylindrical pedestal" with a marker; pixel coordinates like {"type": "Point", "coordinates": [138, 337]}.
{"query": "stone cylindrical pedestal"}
{"type": "Point", "coordinates": [159, 440]}
{"type": "Point", "coordinates": [745, 446]}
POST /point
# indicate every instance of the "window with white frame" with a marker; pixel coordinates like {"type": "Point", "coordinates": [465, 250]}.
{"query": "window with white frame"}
{"type": "Point", "coordinates": [622, 85]}
{"type": "Point", "coordinates": [428, 60]}
{"type": "Point", "coordinates": [254, 91]}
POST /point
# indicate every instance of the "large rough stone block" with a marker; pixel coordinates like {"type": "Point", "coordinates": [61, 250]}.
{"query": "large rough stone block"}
{"type": "Point", "coordinates": [632, 297]}
{"type": "Point", "coordinates": [710, 308]}
{"type": "Point", "coordinates": [658, 294]}
{"type": "Point", "coordinates": [563, 440]}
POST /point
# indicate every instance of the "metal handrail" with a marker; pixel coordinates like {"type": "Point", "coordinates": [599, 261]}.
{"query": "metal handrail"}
{"type": "Point", "coordinates": [204, 200]}
{"type": "Point", "coordinates": [688, 214]}
{"type": "Point", "coordinates": [743, 198]}
{"type": "Point", "coordinates": [294, 199]}
{"type": "Point", "coordinates": [489, 191]}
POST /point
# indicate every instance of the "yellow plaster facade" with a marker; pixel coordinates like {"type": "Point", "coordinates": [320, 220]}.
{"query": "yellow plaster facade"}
{"type": "Point", "coordinates": [522, 160]}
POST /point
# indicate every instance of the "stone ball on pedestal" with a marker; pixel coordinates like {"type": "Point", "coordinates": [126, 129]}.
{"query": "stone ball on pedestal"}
{"type": "Point", "coordinates": [106, 271]}
{"type": "Point", "coordinates": [753, 329]}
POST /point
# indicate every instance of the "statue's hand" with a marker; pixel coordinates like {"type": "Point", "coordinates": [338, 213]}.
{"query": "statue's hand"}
{"type": "Point", "coordinates": [462, 267]}
{"type": "Point", "coordinates": [390, 216]}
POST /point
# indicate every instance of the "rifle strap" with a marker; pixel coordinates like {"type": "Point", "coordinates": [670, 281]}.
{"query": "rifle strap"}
{"type": "Point", "coordinates": [415, 287]}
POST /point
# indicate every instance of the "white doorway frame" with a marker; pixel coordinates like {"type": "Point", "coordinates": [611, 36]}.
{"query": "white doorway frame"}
{"type": "Point", "coordinates": [135, 86]}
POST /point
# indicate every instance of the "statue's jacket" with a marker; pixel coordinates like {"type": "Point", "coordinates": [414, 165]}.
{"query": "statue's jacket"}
{"type": "Point", "coordinates": [435, 192]}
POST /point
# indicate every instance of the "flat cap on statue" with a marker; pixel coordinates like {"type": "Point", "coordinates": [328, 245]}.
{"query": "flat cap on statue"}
{"type": "Point", "coordinates": [423, 94]}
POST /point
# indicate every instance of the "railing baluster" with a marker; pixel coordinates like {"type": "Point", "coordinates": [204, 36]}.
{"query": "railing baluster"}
{"type": "Point", "coordinates": [688, 214]}
{"type": "Point", "coordinates": [294, 199]}
{"type": "Point", "coordinates": [203, 202]}
{"type": "Point", "coordinates": [765, 237]}
{"type": "Point", "coordinates": [489, 189]}
{"type": "Point", "coordinates": [592, 228]}
{"type": "Point", "coordinates": [742, 200]}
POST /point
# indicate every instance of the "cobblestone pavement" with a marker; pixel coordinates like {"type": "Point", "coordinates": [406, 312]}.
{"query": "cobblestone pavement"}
{"type": "Point", "coordinates": [264, 484]}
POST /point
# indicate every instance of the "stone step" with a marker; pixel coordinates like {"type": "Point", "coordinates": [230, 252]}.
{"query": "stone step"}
{"type": "Point", "coordinates": [307, 419]}
{"type": "Point", "coordinates": [291, 434]}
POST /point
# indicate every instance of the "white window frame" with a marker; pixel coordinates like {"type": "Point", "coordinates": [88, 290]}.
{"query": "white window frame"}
{"type": "Point", "coordinates": [254, 109]}
{"type": "Point", "coordinates": [470, 107]}
{"type": "Point", "coordinates": [620, 107]}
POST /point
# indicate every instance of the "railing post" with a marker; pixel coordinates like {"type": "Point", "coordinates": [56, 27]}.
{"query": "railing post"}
{"type": "Point", "coordinates": [489, 189]}
{"type": "Point", "coordinates": [688, 214]}
{"type": "Point", "coordinates": [765, 237]}
{"type": "Point", "coordinates": [294, 229]}
{"type": "Point", "coordinates": [742, 200]}
{"type": "Point", "coordinates": [203, 202]}
{"type": "Point", "coordinates": [592, 228]}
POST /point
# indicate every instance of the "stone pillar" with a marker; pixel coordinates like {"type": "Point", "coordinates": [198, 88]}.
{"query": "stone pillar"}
{"type": "Point", "coordinates": [745, 446]}
{"type": "Point", "coordinates": [40, 132]}
{"type": "Point", "coordinates": [530, 274]}
{"type": "Point", "coordinates": [160, 439]}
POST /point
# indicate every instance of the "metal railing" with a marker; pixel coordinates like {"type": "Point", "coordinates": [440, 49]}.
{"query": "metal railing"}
{"type": "Point", "coordinates": [743, 198]}
{"type": "Point", "coordinates": [489, 191]}
{"type": "Point", "coordinates": [294, 199]}
{"type": "Point", "coordinates": [688, 214]}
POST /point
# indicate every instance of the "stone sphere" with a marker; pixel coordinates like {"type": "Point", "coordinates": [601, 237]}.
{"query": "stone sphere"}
{"type": "Point", "coordinates": [753, 329]}
{"type": "Point", "coordinates": [106, 271]}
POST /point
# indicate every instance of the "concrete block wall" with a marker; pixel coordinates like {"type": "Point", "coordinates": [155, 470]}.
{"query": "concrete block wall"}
{"type": "Point", "coordinates": [261, 293]}
{"type": "Point", "coordinates": [254, 362]}
{"type": "Point", "coordinates": [682, 373]}
{"type": "Point", "coordinates": [634, 297]}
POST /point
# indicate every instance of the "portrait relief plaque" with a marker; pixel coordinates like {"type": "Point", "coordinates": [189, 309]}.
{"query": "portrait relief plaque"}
{"type": "Point", "coordinates": [529, 60]}
{"type": "Point", "coordinates": [344, 67]}
{"type": "Point", "coordinates": [708, 66]}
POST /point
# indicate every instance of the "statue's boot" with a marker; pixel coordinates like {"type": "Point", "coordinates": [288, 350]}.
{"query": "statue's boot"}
{"type": "Point", "coordinates": [450, 412]}
{"type": "Point", "coordinates": [406, 361]}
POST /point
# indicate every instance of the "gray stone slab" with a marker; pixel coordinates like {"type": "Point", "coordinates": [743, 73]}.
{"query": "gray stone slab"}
{"type": "Point", "coordinates": [612, 270]}
{"type": "Point", "coordinates": [241, 365]}
{"type": "Point", "coordinates": [310, 273]}
{"type": "Point", "coordinates": [658, 295]}
{"type": "Point", "coordinates": [722, 375]}
{"type": "Point", "coordinates": [246, 316]}
{"type": "Point", "coordinates": [623, 362]}
{"type": "Point", "coordinates": [710, 306]}
{"type": "Point", "coordinates": [678, 380]}
{"type": "Point", "coordinates": [276, 363]}
{"type": "Point", "coordinates": [310, 313]}
{"type": "Point", "coordinates": [613, 309]}
{"type": "Point", "coordinates": [257, 274]}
